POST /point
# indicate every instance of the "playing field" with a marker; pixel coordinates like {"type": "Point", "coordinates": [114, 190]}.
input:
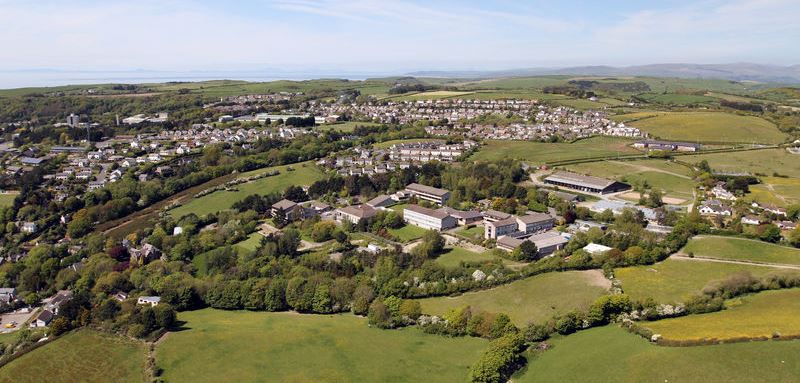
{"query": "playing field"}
{"type": "Point", "coordinates": [346, 127]}
{"type": "Point", "coordinates": [675, 280]}
{"type": "Point", "coordinates": [539, 152]}
{"type": "Point", "coordinates": [82, 356]}
{"type": "Point", "coordinates": [535, 299]}
{"type": "Point", "coordinates": [706, 127]}
{"type": "Point", "coordinates": [755, 315]}
{"type": "Point", "coordinates": [777, 191]}
{"type": "Point", "coordinates": [303, 174]}
{"type": "Point", "coordinates": [741, 249]}
{"type": "Point", "coordinates": [242, 346]}
{"type": "Point", "coordinates": [763, 162]}
{"type": "Point", "coordinates": [611, 354]}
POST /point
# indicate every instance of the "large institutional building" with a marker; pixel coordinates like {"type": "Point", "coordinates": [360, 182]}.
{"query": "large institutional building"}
{"type": "Point", "coordinates": [584, 183]}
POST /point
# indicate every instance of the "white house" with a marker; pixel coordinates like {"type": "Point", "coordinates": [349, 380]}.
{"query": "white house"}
{"type": "Point", "coordinates": [152, 301]}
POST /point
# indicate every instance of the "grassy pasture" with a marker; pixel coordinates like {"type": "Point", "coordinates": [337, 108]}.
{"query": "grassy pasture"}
{"type": "Point", "coordinates": [611, 354]}
{"type": "Point", "coordinates": [222, 200]}
{"type": "Point", "coordinates": [539, 152]}
{"type": "Point", "coordinates": [346, 127]}
{"type": "Point", "coordinates": [81, 356]}
{"type": "Point", "coordinates": [535, 299]}
{"type": "Point", "coordinates": [675, 280]}
{"type": "Point", "coordinates": [740, 249]}
{"type": "Point", "coordinates": [242, 346]}
{"type": "Point", "coordinates": [433, 95]}
{"type": "Point", "coordinates": [707, 127]}
{"type": "Point", "coordinates": [756, 315]}
{"type": "Point", "coordinates": [763, 162]}
{"type": "Point", "coordinates": [777, 190]}
{"type": "Point", "coordinates": [676, 98]}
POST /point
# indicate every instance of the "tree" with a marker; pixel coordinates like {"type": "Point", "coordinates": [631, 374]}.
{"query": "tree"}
{"type": "Point", "coordinates": [654, 199]}
{"type": "Point", "coordinates": [526, 251]}
{"type": "Point", "coordinates": [771, 233]}
{"type": "Point", "coordinates": [379, 315]}
{"type": "Point", "coordinates": [59, 325]}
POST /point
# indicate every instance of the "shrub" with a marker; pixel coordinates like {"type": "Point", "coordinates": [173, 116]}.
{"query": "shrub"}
{"type": "Point", "coordinates": [500, 360]}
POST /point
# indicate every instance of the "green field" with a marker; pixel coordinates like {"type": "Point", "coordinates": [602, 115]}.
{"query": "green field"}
{"type": "Point", "coordinates": [346, 127]}
{"type": "Point", "coordinates": [741, 249]}
{"type": "Point", "coordinates": [763, 162]}
{"type": "Point", "coordinates": [675, 280]}
{"type": "Point", "coordinates": [675, 98]}
{"type": "Point", "coordinates": [535, 299]}
{"type": "Point", "coordinates": [7, 199]}
{"type": "Point", "coordinates": [476, 232]}
{"type": "Point", "coordinates": [432, 95]}
{"type": "Point", "coordinates": [706, 127]}
{"type": "Point", "coordinates": [539, 152]}
{"type": "Point", "coordinates": [242, 346]}
{"type": "Point", "coordinates": [777, 191]}
{"type": "Point", "coordinates": [408, 233]}
{"type": "Point", "coordinates": [222, 200]}
{"type": "Point", "coordinates": [454, 256]}
{"type": "Point", "coordinates": [82, 356]}
{"type": "Point", "coordinates": [611, 354]}
{"type": "Point", "coordinates": [756, 315]}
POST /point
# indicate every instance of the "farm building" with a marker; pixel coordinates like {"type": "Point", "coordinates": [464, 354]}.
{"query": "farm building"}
{"type": "Point", "coordinates": [667, 146]}
{"type": "Point", "coordinates": [585, 183]}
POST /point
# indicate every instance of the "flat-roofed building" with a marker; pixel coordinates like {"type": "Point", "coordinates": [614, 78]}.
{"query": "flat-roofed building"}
{"type": "Point", "coordinates": [423, 217]}
{"type": "Point", "coordinates": [585, 183]}
{"type": "Point", "coordinates": [428, 193]}
{"type": "Point", "coordinates": [546, 243]}
{"type": "Point", "coordinates": [355, 214]}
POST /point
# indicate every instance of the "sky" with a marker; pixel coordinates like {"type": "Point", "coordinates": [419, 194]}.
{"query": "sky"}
{"type": "Point", "coordinates": [391, 35]}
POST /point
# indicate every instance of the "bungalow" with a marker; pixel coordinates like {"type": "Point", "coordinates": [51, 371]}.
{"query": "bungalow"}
{"type": "Point", "coordinates": [42, 319]}
{"type": "Point", "coordinates": [786, 225]}
{"type": "Point", "coordinates": [714, 209]}
{"type": "Point", "coordinates": [428, 193]}
{"type": "Point", "coordinates": [53, 303]}
{"type": "Point", "coordinates": [148, 300]}
{"type": "Point", "coordinates": [354, 214]}
{"type": "Point", "coordinates": [751, 220]}
{"type": "Point", "coordinates": [423, 217]}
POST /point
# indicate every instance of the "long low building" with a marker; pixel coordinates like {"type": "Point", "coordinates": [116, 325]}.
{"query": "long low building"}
{"type": "Point", "coordinates": [428, 193]}
{"type": "Point", "coordinates": [585, 183]}
{"type": "Point", "coordinates": [518, 226]}
{"type": "Point", "coordinates": [423, 217]}
{"type": "Point", "coordinates": [546, 243]}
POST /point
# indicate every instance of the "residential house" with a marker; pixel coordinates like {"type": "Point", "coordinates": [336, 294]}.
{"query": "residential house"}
{"type": "Point", "coordinates": [7, 295]}
{"type": "Point", "coordinates": [143, 255]}
{"type": "Point", "coordinates": [751, 220]}
{"type": "Point", "coordinates": [148, 300]}
{"type": "Point", "coordinates": [289, 210]}
{"type": "Point", "coordinates": [42, 319]}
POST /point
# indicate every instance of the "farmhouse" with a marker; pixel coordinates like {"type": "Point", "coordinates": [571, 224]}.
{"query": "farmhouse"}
{"type": "Point", "coordinates": [42, 319]}
{"type": "Point", "coordinates": [428, 193]}
{"type": "Point", "coordinates": [585, 183]}
{"type": "Point", "coordinates": [438, 219]}
{"type": "Point", "coordinates": [354, 214]}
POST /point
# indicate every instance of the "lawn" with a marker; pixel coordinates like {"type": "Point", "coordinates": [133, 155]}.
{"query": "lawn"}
{"type": "Point", "coordinates": [536, 299]}
{"type": "Point", "coordinates": [707, 127]}
{"type": "Point", "coordinates": [540, 152]}
{"type": "Point", "coordinates": [740, 249]}
{"type": "Point", "coordinates": [242, 346]}
{"type": "Point", "coordinates": [675, 280]}
{"type": "Point", "coordinates": [222, 200]}
{"type": "Point", "coordinates": [82, 356]}
{"type": "Point", "coordinates": [611, 354]}
{"type": "Point", "coordinates": [250, 244]}
{"type": "Point", "coordinates": [755, 315]}
{"type": "Point", "coordinates": [475, 232]}
{"type": "Point", "coordinates": [763, 162]}
{"type": "Point", "coordinates": [777, 190]}
{"type": "Point", "coordinates": [408, 233]}
{"type": "Point", "coordinates": [7, 199]}
{"type": "Point", "coordinates": [454, 256]}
